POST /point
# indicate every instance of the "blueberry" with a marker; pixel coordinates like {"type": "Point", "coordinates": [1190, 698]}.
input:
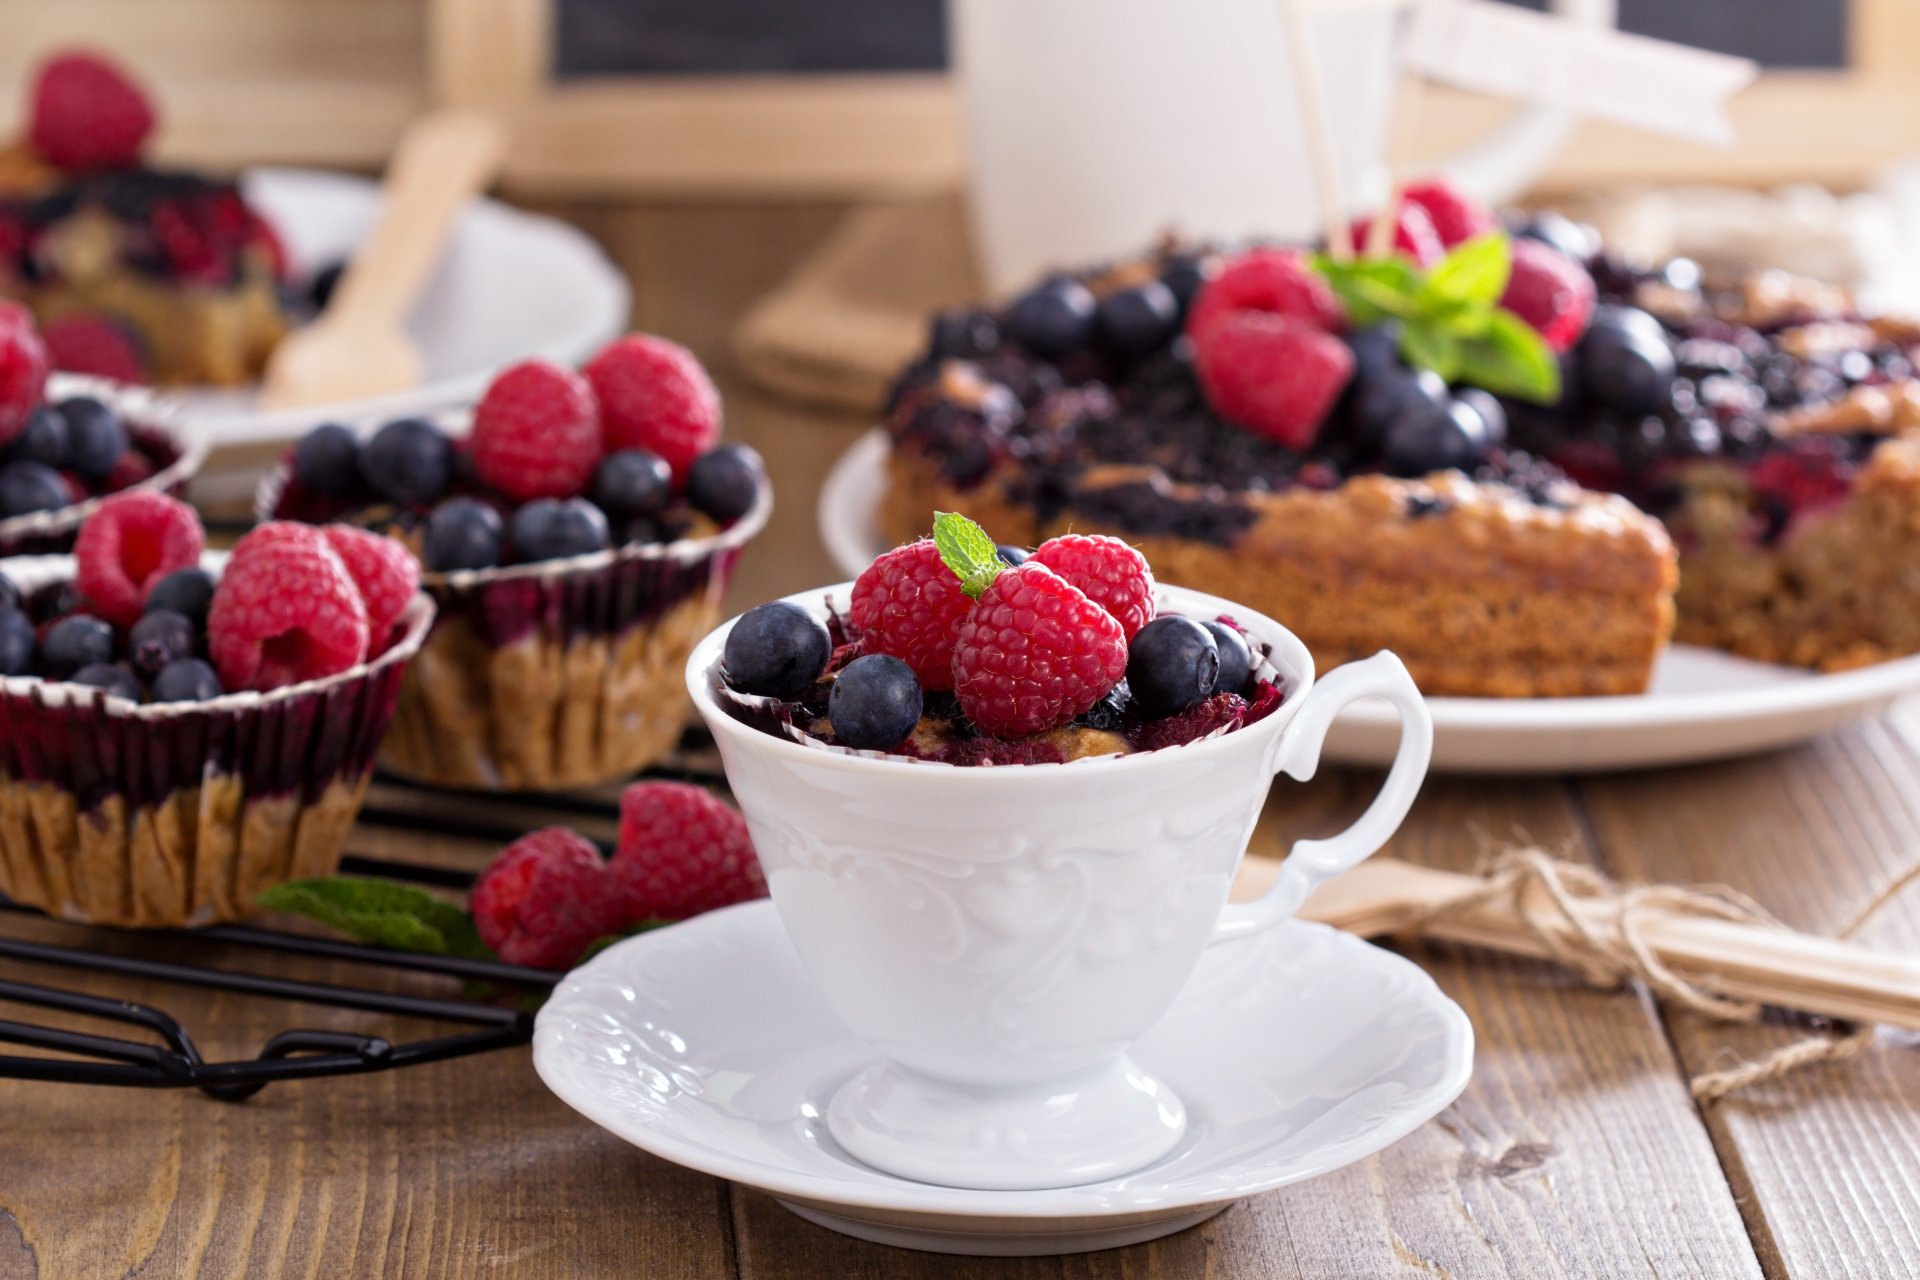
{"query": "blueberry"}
{"type": "Point", "coordinates": [1453, 439]}
{"type": "Point", "coordinates": [408, 461]}
{"type": "Point", "coordinates": [725, 482]}
{"type": "Point", "coordinates": [1053, 319]}
{"type": "Point", "coordinates": [1184, 274]}
{"type": "Point", "coordinates": [111, 676]}
{"type": "Point", "coordinates": [630, 483]}
{"type": "Point", "coordinates": [554, 528]}
{"type": "Point", "coordinates": [325, 281]}
{"type": "Point", "coordinates": [30, 486]}
{"type": "Point", "coordinates": [1563, 233]}
{"type": "Point", "coordinates": [1626, 361]}
{"type": "Point", "coordinates": [1012, 555]}
{"type": "Point", "coordinates": [1395, 398]}
{"type": "Point", "coordinates": [1135, 321]}
{"type": "Point", "coordinates": [16, 643]}
{"type": "Point", "coordinates": [184, 591]}
{"type": "Point", "coordinates": [188, 680]}
{"type": "Point", "coordinates": [76, 642]}
{"type": "Point", "coordinates": [1376, 351]}
{"type": "Point", "coordinates": [10, 597]}
{"type": "Point", "coordinates": [158, 639]}
{"type": "Point", "coordinates": [776, 651]}
{"type": "Point", "coordinates": [1492, 414]}
{"type": "Point", "coordinates": [44, 440]}
{"type": "Point", "coordinates": [964, 333]}
{"type": "Point", "coordinates": [875, 703]}
{"type": "Point", "coordinates": [1172, 664]}
{"type": "Point", "coordinates": [1236, 658]}
{"type": "Point", "coordinates": [1110, 713]}
{"type": "Point", "coordinates": [462, 533]}
{"type": "Point", "coordinates": [327, 460]}
{"type": "Point", "coordinates": [95, 437]}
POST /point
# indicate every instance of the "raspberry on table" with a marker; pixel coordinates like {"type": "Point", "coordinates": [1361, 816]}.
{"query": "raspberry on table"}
{"type": "Point", "coordinates": [1111, 574]}
{"type": "Point", "coordinates": [87, 114]}
{"type": "Point", "coordinates": [23, 369]}
{"type": "Point", "coordinates": [1034, 653]}
{"type": "Point", "coordinates": [131, 542]}
{"type": "Point", "coordinates": [383, 570]}
{"type": "Point", "coordinates": [1276, 280]}
{"type": "Point", "coordinates": [909, 605]}
{"type": "Point", "coordinates": [682, 851]}
{"type": "Point", "coordinates": [1550, 291]}
{"type": "Point", "coordinates": [285, 610]}
{"type": "Point", "coordinates": [654, 395]}
{"type": "Point", "coordinates": [536, 432]}
{"type": "Point", "coordinates": [545, 900]}
{"type": "Point", "coordinates": [1272, 374]}
{"type": "Point", "coordinates": [1456, 216]}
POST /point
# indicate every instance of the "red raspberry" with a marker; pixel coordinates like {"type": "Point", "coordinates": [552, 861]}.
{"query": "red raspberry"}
{"type": "Point", "coordinates": [545, 900]}
{"type": "Point", "coordinates": [1413, 235]}
{"type": "Point", "coordinates": [1272, 374]}
{"type": "Point", "coordinates": [1805, 478]}
{"type": "Point", "coordinates": [1108, 571]}
{"type": "Point", "coordinates": [1456, 217]}
{"type": "Point", "coordinates": [536, 432]}
{"type": "Point", "coordinates": [654, 395]}
{"type": "Point", "coordinates": [87, 114]}
{"type": "Point", "coordinates": [1268, 280]}
{"type": "Point", "coordinates": [909, 604]}
{"type": "Point", "coordinates": [131, 542]}
{"type": "Point", "coordinates": [1035, 653]}
{"type": "Point", "coordinates": [132, 468]}
{"type": "Point", "coordinates": [97, 345]}
{"type": "Point", "coordinates": [285, 610]}
{"type": "Point", "coordinates": [1550, 291]}
{"type": "Point", "coordinates": [23, 369]}
{"type": "Point", "coordinates": [383, 570]}
{"type": "Point", "coordinates": [682, 851]}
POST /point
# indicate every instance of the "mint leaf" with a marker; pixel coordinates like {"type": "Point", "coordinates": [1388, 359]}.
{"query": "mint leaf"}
{"type": "Point", "coordinates": [1372, 290]}
{"type": "Point", "coordinates": [966, 549]}
{"type": "Point", "coordinates": [1510, 358]}
{"type": "Point", "coordinates": [382, 913]}
{"type": "Point", "coordinates": [1475, 271]}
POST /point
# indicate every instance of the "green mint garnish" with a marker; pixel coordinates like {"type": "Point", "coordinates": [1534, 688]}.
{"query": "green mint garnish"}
{"type": "Point", "coordinates": [383, 913]}
{"type": "Point", "coordinates": [1450, 317]}
{"type": "Point", "coordinates": [966, 549]}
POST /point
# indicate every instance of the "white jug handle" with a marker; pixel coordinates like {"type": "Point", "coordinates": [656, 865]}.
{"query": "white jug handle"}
{"type": "Point", "coordinates": [1311, 863]}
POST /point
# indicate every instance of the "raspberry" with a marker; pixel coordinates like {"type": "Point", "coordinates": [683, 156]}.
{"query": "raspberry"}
{"type": "Point", "coordinates": [87, 114]}
{"type": "Point", "coordinates": [1455, 215]}
{"type": "Point", "coordinates": [132, 468]}
{"type": "Point", "coordinates": [1806, 478]}
{"type": "Point", "coordinates": [545, 900]}
{"type": "Point", "coordinates": [1413, 235]}
{"type": "Point", "coordinates": [131, 542]}
{"type": "Point", "coordinates": [655, 396]}
{"type": "Point", "coordinates": [285, 610]}
{"type": "Point", "coordinates": [1273, 375]}
{"type": "Point", "coordinates": [383, 570]}
{"type": "Point", "coordinates": [536, 432]}
{"type": "Point", "coordinates": [909, 605]}
{"type": "Point", "coordinates": [97, 345]}
{"type": "Point", "coordinates": [682, 851]}
{"type": "Point", "coordinates": [23, 369]}
{"type": "Point", "coordinates": [1209, 715]}
{"type": "Point", "coordinates": [1276, 280]}
{"type": "Point", "coordinates": [1550, 291]}
{"type": "Point", "coordinates": [1108, 572]}
{"type": "Point", "coordinates": [1034, 653]}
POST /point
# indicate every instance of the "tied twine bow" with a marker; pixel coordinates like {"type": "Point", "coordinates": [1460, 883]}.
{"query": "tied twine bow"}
{"type": "Point", "coordinates": [1555, 900]}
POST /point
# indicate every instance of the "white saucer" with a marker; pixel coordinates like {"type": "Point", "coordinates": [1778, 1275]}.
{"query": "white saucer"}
{"type": "Point", "coordinates": [1298, 1051]}
{"type": "Point", "coordinates": [1703, 704]}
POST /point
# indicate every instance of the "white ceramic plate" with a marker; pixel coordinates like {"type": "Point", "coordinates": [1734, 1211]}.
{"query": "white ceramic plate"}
{"type": "Point", "coordinates": [1297, 1052]}
{"type": "Point", "coordinates": [1703, 704]}
{"type": "Point", "coordinates": [513, 285]}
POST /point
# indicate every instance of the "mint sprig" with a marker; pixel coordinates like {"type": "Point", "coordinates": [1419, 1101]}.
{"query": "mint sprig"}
{"type": "Point", "coordinates": [966, 549]}
{"type": "Point", "coordinates": [1450, 316]}
{"type": "Point", "coordinates": [382, 913]}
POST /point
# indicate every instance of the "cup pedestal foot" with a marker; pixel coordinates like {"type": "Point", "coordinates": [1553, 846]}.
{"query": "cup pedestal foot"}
{"type": "Point", "coordinates": [1110, 1122]}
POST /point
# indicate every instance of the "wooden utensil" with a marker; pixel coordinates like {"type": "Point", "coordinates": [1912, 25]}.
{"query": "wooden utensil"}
{"type": "Point", "coordinates": [358, 346]}
{"type": "Point", "coordinates": [1769, 965]}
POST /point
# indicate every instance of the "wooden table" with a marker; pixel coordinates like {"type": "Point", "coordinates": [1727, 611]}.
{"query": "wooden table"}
{"type": "Point", "coordinates": [1576, 1151]}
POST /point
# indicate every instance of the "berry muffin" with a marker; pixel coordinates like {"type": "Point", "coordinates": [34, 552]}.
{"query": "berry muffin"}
{"type": "Point", "coordinates": [577, 540]}
{"type": "Point", "coordinates": [181, 731]}
{"type": "Point", "coordinates": [1502, 454]}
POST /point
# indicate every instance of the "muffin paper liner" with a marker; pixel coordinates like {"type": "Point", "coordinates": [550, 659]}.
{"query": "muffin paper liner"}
{"type": "Point", "coordinates": [151, 420]}
{"type": "Point", "coordinates": [177, 814]}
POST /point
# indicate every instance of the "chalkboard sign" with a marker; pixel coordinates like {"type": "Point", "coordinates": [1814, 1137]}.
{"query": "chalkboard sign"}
{"type": "Point", "coordinates": [757, 37]}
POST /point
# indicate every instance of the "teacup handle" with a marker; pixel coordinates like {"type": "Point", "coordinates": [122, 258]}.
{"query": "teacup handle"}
{"type": "Point", "coordinates": [1311, 863]}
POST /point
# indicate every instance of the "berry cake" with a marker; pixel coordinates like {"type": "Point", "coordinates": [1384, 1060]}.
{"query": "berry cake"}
{"type": "Point", "coordinates": [577, 541]}
{"type": "Point", "coordinates": [137, 274]}
{"type": "Point", "coordinates": [957, 651]}
{"type": "Point", "coordinates": [1504, 455]}
{"type": "Point", "coordinates": [180, 732]}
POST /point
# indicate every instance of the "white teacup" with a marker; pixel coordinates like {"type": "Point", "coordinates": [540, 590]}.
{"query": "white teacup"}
{"type": "Point", "coordinates": [1001, 935]}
